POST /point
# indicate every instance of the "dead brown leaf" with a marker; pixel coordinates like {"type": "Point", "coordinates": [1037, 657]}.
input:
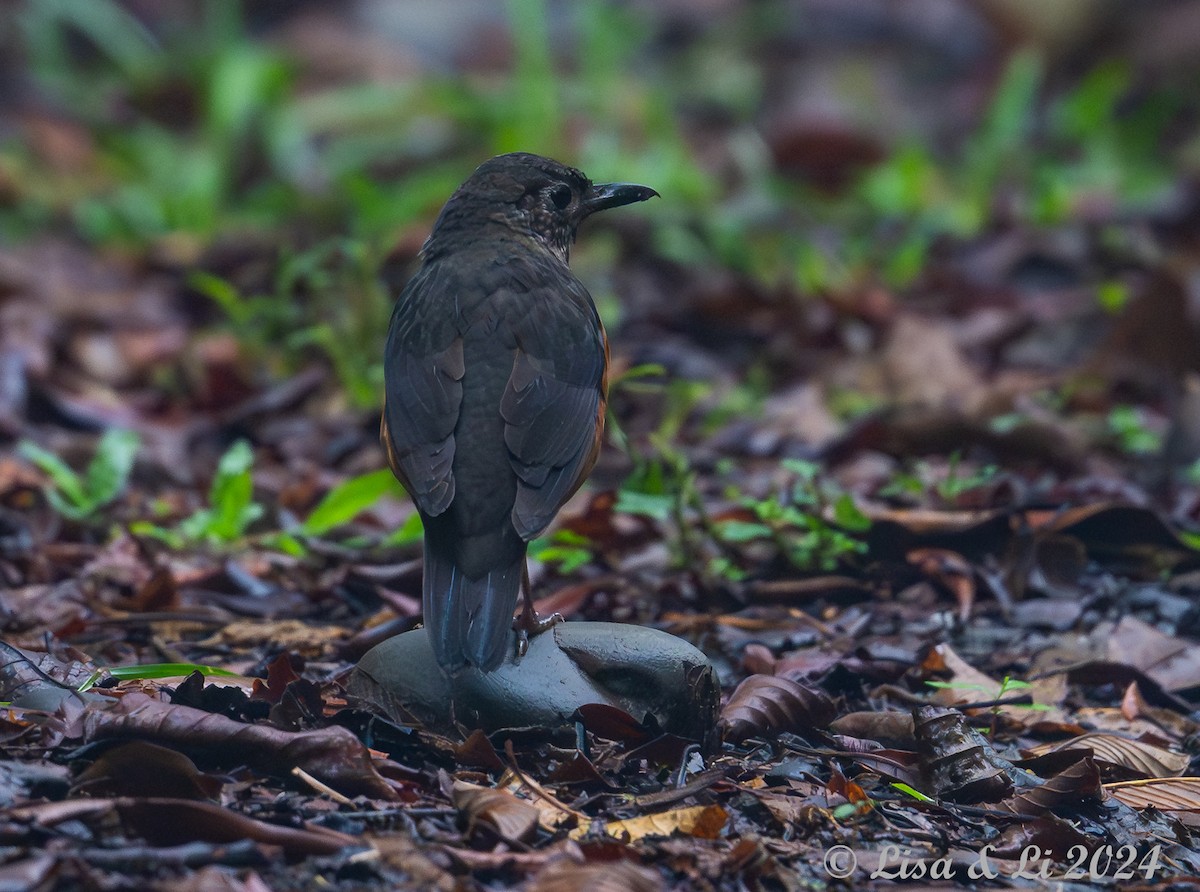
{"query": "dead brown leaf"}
{"type": "Point", "coordinates": [1143, 758]}
{"type": "Point", "coordinates": [699, 821]}
{"type": "Point", "coordinates": [766, 704]}
{"type": "Point", "coordinates": [333, 755]}
{"type": "Point", "coordinates": [501, 812]}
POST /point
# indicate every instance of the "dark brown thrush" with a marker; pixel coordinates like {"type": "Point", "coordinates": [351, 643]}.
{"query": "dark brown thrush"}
{"type": "Point", "coordinates": [495, 389]}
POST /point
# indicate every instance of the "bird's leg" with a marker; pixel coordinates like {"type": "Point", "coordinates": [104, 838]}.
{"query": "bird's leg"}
{"type": "Point", "coordinates": [529, 623]}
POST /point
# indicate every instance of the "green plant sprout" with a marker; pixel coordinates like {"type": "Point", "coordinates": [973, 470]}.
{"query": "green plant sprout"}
{"type": "Point", "coordinates": [349, 499]}
{"type": "Point", "coordinates": [947, 487]}
{"type": "Point", "coordinates": [1127, 425]}
{"type": "Point", "coordinates": [152, 670]}
{"type": "Point", "coordinates": [81, 496]}
{"type": "Point", "coordinates": [795, 522]}
{"type": "Point", "coordinates": [1007, 686]}
{"type": "Point", "coordinates": [231, 510]}
{"type": "Point", "coordinates": [909, 791]}
{"type": "Point", "coordinates": [231, 506]}
{"type": "Point", "coordinates": [566, 550]}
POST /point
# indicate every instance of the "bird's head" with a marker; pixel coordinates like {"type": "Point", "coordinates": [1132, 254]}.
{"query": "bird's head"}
{"type": "Point", "coordinates": [532, 195]}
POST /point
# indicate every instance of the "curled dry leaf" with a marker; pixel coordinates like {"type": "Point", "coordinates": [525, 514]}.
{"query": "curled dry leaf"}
{"type": "Point", "coordinates": [768, 704]}
{"type": "Point", "coordinates": [503, 813]}
{"type": "Point", "coordinates": [1143, 758]}
{"type": "Point", "coordinates": [890, 726]}
{"type": "Point", "coordinates": [332, 755]}
{"type": "Point", "coordinates": [165, 821]}
{"type": "Point", "coordinates": [1071, 787]}
{"type": "Point", "coordinates": [1160, 721]}
{"type": "Point", "coordinates": [1049, 832]}
{"type": "Point", "coordinates": [960, 765]}
{"type": "Point", "coordinates": [1179, 797]}
{"type": "Point", "coordinates": [1172, 662]}
{"type": "Point", "coordinates": [168, 822]}
{"type": "Point", "coordinates": [138, 768]}
{"type": "Point", "coordinates": [616, 876]}
{"type": "Point", "coordinates": [950, 570]}
{"type": "Point", "coordinates": [699, 821]}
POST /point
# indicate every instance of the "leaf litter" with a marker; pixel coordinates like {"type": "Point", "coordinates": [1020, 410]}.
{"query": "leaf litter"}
{"type": "Point", "coordinates": [923, 486]}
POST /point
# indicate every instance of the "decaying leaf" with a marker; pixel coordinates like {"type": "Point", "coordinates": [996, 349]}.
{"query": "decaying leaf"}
{"type": "Point", "coordinates": [1179, 796]}
{"type": "Point", "coordinates": [501, 812]}
{"type": "Point", "coordinates": [700, 821]}
{"type": "Point", "coordinates": [1143, 758]}
{"type": "Point", "coordinates": [168, 822]}
{"type": "Point", "coordinates": [960, 764]}
{"type": "Point", "coordinates": [139, 768]}
{"type": "Point", "coordinates": [616, 876]}
{"type": "Point", "coordinates": [768, 704]}
{"type": "Point", "coordinates": [1075, 785]}
{"type": "Point", "coordinates": [333, 755]}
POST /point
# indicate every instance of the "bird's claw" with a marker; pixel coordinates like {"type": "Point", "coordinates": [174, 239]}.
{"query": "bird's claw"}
{"type": "Point", "coordinates": [530, 624]}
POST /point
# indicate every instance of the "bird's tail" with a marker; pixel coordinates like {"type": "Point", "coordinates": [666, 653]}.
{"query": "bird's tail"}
{"type": "Point", "coordinates": [468, 619]}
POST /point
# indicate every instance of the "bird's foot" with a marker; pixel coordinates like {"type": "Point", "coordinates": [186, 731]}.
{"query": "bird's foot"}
{"type": "Point", "coordinates": [529, 624]}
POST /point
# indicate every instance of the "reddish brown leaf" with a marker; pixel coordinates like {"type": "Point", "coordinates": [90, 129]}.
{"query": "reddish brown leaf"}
{"type": "Point", "coordinates": [501, 812]}
{"type": "Point", "coordinates": [333, 755]}
{"type": "Point", "coordinates": [617, 876]}
{"type": "Point", "coordinates": [611, 723]}
{"type": "Point", "coordinates": [281, 672]}
{"type": "Point", "coordinates": [1068, 789]}
{"type": "Point", "coordinates": [950, 570]}
{"type": "Point", "coordinates": [768, 704]}
{"type": "Point", "coordinates": [167, 822]}
{"type": "Point", "coordinates": [139, 768]}
{"type": "Point", "coordinates": [1178, 796]}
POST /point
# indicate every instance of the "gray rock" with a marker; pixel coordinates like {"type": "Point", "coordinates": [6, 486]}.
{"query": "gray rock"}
{"type": "Point", "coordinates": [642, 671]}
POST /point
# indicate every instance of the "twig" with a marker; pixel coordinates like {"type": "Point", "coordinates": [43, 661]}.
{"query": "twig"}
{"type": "Point", "coordinates": [539, 790]}
{"type": "Point", "coordinates": [322, 788]}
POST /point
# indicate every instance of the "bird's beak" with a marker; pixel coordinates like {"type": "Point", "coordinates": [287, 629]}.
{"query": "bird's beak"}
{"type": "Point", "coordinates": [613, 195]}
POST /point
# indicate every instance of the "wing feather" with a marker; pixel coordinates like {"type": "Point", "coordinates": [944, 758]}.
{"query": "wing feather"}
{"type": "Point", "coordinates": [552, 409]}
{"type": "Point", "coordinates": [423, 374]}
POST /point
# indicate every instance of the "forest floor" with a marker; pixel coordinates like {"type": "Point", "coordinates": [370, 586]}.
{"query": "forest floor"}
{"type": "Point", "coordinates": [904, 436]}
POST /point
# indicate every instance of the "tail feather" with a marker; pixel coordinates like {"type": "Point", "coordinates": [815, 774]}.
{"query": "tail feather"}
{"type": "Point", "coordinates": [468, 620]}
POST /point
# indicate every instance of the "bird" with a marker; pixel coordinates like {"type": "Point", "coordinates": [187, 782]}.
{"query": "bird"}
{"type": "Point", "coordinates": [495, 388]}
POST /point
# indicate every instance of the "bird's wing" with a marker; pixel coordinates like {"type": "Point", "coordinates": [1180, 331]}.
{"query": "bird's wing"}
{"type": "Point", "coordinates": [553, 406]}
{"type": "Point", "coordinates": [423, 372]}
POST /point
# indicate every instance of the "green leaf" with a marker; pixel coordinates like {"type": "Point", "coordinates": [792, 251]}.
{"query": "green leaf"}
{"type": "Point", "coordinates": [1128, 424]}
{"type": "Point", "coordinates": [847, 514]}
{"type": "Point", "coordinates": [78, 497]}
{"type": "Point", "coordinates": [805, 470]}
{"type": "Point", "coordinates": [727, 569]}
{"type": "Point", "coordinates": [409, 532]}
{"type": "Point", "coordinates": [110, 469]}
{"type": "Point", "coordinates": [349, 499]}
{"type": "Point", "coordinates": [567, 558]}
{"type": "Point", "coordinates": [149, 530]}
{"type": "Point", "coordinates": [567, 549]}
{"type": "Point", "coordinates": [657, 507]}
{"type": "Point", "coordinates": [1113, 296]}
{"type": "Point", "coordinates": [68, 482]}
{"type": "Point", "coordinates": [742, 531]}
{"type": "Point", "coordinates": [232, 494]}
{"type": "Point", "coordinates": [915, 794]}
{"type": "Point", "coordinates": [153, 670]}
{"type": "Point", "coordinates": [231, 500]}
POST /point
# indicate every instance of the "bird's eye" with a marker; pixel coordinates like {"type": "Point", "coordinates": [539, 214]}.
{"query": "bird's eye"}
{"type": "Point", "coordinates": [561, 196]}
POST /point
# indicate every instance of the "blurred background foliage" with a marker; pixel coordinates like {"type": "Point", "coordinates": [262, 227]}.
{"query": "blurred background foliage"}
{"type": "Point", "coordinates": [813, 148]}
